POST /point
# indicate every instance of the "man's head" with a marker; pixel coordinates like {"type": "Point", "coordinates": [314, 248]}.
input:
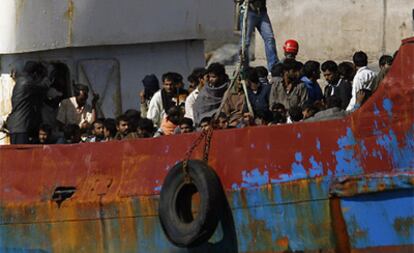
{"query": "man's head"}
{"type": "Point", "coordinates": [216, 74]}
{"type": "Point", "coordinates": [109, 128]}
{"type": "Point", "coordinates": [346, 70]}
{"type": "Point", "coordinates": [330, 71]}
{"type": "Point", "coordinates": [291, 49]}
{"type": "Point", "coordinates": [263, 117]}
{"type": "Point", "coordinates": [151, 85]}
{"type": "Point", "coordinates": [291, 70]}
{"type": "Point", "coordinates": [205, 124]}
{"type": "Point", "coordinates": [309, 111]}
{"type": "Point", "coordinates": [72, 133]}
{"type": "Point", "coordinates": [186, 126]}
{"type": "Point", "coordinates": [133, 118]}
{"type": "Point", "coordinates": [169, 82]}
{"type": "Point", "coordinates": [385, 62]}
{"type": "Point", "coordinates": [178, 80]}
{"type": "Point", "coordinates": [280, 108]}
{"type": "Point", "coordinates": [277, 70]}
{"type": "Point", "coordinates": [174, 115]}
{"type": "Point", "coordinates": [145, 128]}
{"type": "Point", "coordinates": [98, 128]}
{"type": "Point", "coordinates": [44, 133]}
{"type": "Point", "coordinates": [295, 113]}
{"type": "Point", "coordinates": [81, 94]}
{"type": "Point", "coordinates": [122, 125]}
{"type": "Point", "coordinates": [200, 76]}
{"type": "Point", "coordinates": [311, 70]}
{"type": "Point", "coordinates": [247, 118]}
{"type": "Point", "coordinates": [253, 79]}
{"type": "Point", "coordinates": [222, 121]}
{"type": "Point", "coordinates": [35, 69]}
{"type": "Point", "coordinates": [360, 59]}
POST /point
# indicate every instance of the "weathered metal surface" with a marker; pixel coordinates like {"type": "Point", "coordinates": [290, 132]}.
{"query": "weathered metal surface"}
{"type": "Point", "coordinates": [335, 186]}
{"type": "Point", "coordinates": [30, 26]}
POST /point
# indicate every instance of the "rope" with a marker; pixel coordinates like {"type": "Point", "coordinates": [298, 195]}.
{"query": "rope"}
{"type": "Point", "coordinates": [239, 68]}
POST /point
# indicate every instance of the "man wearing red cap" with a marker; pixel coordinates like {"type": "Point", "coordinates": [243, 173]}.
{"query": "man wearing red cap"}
{"type": "Point", "coordinates": [291, 49]}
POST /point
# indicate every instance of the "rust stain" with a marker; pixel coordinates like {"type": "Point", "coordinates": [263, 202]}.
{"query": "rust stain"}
{"type": "Point", "coordinates": [283, 242]}
{"type": "Point", "coordinates": [403, 225]}
{"type": "Point", "coordinates": [339, 226]}
{"type": "Point", "coordinates": [69, 15]}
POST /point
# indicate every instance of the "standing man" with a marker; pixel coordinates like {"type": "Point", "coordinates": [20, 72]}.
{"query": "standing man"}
{"type": "Point", "coordinates": [310, 79]}
{"type": "Point", "coordinates": [363, 78]}
{"type": "Point", "coordinates": [163, 99]}
{"type": "Point", "coordinates": [257, 18]}
{"type": "Point", "coordinates": [289, 90]}
{"type": "Point", "coordinates": [337, 86]}
{"type": "Point", "coordinates": [27, 96]}
{"type": "Point", "coordinates": [290, 49]}
{"type": "Point", "coordinates": [210, 97]}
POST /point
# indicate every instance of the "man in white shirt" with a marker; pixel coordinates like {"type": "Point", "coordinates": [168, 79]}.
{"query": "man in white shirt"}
{"type": "Point", "coordinates": [163, 99]}
{"type": "Point", "coordinates": [363, 77]}
{"type": "Point", "coordinates": [201, 76]}
{"type": "Point", "coordinates": [75, 110]}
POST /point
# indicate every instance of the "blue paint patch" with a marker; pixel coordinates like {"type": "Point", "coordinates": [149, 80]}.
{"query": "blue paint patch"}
{"type": "Point", "coordinates": [347, 162]}
{"type": "Point", "coordinates": [298, 171]}
{"type": "Point", "coordinates": [252, 145]}
{"type": "Point", "coordinates": [298, 157]}
{"type": "Point", "coordinates": [268, 146]}
{"type": "Point", "coordinates": [376, 110]}
{"type": "Point", "coordinates": [254, 178]}
{"type": "Point", "coordinates": [364, 150]}
{"type": "Point", "coordinates": [299, 136]}
{"type": "Point", "coordinates": [235, 187]}
{"type": "Point", "coordinates": [372, 220]}
{"type": "Point", "coordinates": [157, 188]}
{"type": "Point", "coordinates": [377, 154]}
{"type": "Point", "coordinates": [387, 104]}
{"type": "Point", "coordinates": [376, 129]}
{"type": "Point", "coordinates": [317, 168]}
{"type": "Point", "coordinates": [318, 145]}
{"type": "Point", "coordinates": [402, 157]}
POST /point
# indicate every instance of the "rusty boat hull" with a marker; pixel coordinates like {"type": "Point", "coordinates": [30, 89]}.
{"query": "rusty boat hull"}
{"type": "Point", "coordinates": [334, 186]}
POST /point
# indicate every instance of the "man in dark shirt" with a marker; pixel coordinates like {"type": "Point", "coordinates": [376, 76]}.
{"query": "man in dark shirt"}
{"type": "Point", "coordinates": [257, 18]}
{"type": "Point", "coordinates": [27, 97]}
{"type": "Point", "coordinates": [336, 86]}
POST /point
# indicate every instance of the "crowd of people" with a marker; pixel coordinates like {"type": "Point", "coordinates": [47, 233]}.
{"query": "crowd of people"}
{"type": "Point", "coordinates": [289, 93]}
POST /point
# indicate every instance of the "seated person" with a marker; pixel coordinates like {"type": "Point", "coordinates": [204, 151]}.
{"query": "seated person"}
{"type": "Point", "coordinates": [186, 126]}
{"type": "Point", "coordinates": [122, 127]}
{"type": "Point", "coordinates": [44, 135]}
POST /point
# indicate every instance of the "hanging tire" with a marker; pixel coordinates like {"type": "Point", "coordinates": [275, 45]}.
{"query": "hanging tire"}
{"type": "Point", "coordinates": [178, 223]}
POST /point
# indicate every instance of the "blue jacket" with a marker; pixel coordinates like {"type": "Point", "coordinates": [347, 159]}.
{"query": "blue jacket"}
{"type": "Point", "coordinates": [260, 99]}
{"type": "Point", "coordinates": [314, 91]}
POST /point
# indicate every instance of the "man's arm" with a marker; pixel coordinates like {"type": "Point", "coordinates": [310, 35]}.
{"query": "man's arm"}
{"type": "Point", "coordinates": [154, 110]}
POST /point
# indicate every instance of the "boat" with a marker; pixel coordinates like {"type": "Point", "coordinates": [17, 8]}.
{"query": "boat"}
{"type": "Point", "coordinates": [342, 185]}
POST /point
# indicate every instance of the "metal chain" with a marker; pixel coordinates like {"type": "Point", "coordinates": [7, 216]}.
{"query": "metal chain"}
{"type": "Point", "coordinates": [205, 135]}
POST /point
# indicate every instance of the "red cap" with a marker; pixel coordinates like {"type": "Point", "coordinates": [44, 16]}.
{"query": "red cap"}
{"type": "Point", "coordinates": [291, 46]}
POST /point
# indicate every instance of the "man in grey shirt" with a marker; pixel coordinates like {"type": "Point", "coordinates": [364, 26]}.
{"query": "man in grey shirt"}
{"type": "Point", "coordinates": [288, 90]}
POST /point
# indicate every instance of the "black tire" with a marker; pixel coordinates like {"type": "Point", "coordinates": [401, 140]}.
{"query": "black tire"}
{"type": "Point", "coordinates": [175, 204]}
